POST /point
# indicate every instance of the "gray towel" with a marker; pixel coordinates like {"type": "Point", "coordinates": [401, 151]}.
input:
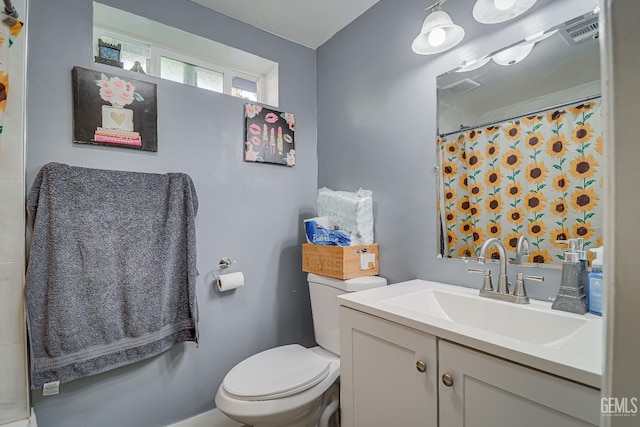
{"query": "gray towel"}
{"type": "Point", "coordinates": [112, 269]}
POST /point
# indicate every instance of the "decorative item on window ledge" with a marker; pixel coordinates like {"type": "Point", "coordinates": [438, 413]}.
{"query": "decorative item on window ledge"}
{"type": "Point", "coordinates": [496, 11]}
{"type": "Point", "coordinates": [109, 54]}
{"type": "Point", "coordinates": [269, 136]}
{"type": "Point", "coordinates": [100, 116]}
{"type": "Point", "coordinates": [438, 32]}
{"type": "Point", "coordinates": [137, 67]}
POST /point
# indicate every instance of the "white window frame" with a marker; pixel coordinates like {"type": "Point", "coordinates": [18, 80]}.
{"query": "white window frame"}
{"type": "Point", "coordinates": [157, 51]}
{"type": "Point", "coordinates": [100, 32]}
{"type": "Point", "coordinates": [259, 83]}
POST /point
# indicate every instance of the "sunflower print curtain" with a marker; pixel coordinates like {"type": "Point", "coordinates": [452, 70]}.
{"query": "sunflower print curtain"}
{"type": "Point", "coordinates": [9, 29]}
{"type": "Point", "coordinates": [539, 175]}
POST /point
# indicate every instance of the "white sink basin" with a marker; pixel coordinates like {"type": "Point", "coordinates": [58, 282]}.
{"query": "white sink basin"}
{"type": "Point", "coordinates": [563, 344]}
{"type": "Point", "coordinates": [527, 323]}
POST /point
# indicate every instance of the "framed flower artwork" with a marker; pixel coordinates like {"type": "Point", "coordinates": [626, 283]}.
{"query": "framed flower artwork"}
{"type": "Point", "coordinates": [269, 136]}
{"type": "Point", "coordinates": [113, 110]}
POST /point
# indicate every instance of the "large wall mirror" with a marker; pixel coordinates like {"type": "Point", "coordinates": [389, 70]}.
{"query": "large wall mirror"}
{"type": "Point", "coordinates": [520, 146]}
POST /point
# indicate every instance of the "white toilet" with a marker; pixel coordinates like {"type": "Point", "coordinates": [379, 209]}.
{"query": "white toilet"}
{"type": "Point", "coordinates": [292, 386]}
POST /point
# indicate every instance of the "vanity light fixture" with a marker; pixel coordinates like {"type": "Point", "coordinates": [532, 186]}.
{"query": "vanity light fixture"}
{"type": "Point", "coordinates": [438, 32]}
{"type": "Point", "coordinates": [474, 64]}
{"type": "Point", "coordinates": [538, 37]}
{"type": "Point", "coordinates": [513, 55]}
{"type": "Point", "coordinates": [495, 11]}
{"type": "Point", "coordinates": [517, 53]}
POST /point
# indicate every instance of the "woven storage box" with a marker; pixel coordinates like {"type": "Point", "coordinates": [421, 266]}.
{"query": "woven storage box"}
{"type": "Point", "coordinates": [340, 262]}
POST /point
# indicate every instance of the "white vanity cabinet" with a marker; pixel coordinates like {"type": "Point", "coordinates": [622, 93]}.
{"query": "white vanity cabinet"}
{"type": "Point", "coordinates": [388, 373]}
{"type": "Point", "coordinates": [488, 391]}
{"type": "Point", "coordinates": [382, 383]}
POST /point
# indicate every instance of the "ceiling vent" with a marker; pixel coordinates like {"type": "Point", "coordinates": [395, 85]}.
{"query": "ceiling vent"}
{"type": "Point", "coordinates": [461, 86]}
{"type": "Point", "coordinates": [581, 30]}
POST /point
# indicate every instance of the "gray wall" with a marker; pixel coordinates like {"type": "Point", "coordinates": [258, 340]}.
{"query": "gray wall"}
{"type": "Point", "coordinates": [249, 212]}
{"type": "Point", "coordinates": [377, 125]}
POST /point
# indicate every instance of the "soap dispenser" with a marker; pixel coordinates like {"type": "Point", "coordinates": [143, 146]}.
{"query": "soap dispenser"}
{"type": "Point", "coordinates": [596, 282]}
{"type": "Point", "coordinates": [572, 296]}
{"type": "Point", "coordinates": [584, 265]}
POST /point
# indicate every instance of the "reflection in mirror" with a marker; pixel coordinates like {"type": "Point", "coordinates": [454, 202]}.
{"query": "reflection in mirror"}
{"type": "Point", "coordinates": [520, 146]}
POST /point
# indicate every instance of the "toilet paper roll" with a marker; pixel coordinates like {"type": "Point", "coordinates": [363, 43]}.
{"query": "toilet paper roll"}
{"type": "Point", "coordinates": [226, 282]}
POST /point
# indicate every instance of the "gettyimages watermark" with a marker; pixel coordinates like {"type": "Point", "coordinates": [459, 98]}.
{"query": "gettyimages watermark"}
{"type": "Point", "coordinates": [619, 406]}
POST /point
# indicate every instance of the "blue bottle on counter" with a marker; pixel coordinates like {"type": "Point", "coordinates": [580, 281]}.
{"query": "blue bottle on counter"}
{"type": "Point", "coordinates": [596, 282]}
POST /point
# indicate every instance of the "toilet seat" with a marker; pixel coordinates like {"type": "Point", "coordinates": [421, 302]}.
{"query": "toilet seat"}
{"type": "Point", "coordinates": [276, 373]}
{"type": "Point", "coordinates": [280, 412]}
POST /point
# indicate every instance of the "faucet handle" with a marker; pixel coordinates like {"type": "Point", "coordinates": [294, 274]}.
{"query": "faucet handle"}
{"type": "Point", "coordinates": [520, 290]}
{"type": "Point", "coordinates": [487, 286]}
{"type": "Point", "coordinates": [523, 249]}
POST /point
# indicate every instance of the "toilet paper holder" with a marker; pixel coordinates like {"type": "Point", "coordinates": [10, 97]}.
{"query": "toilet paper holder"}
{"type": "Point", "coordinates": [222, 267]}
{"type": "Point", "coordinates": [225, 262]}
{"type": "Point", "coordinates": [225, 280]}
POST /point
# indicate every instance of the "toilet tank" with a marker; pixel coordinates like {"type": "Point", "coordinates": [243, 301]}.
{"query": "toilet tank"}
{"type": "Point", "coordinates": [324, 305]}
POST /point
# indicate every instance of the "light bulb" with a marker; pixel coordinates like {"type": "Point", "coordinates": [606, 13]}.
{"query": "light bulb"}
{"type": "Point", "coordinates": [503, 4]}
{"type": "Point", "coordinates": [437, 37]}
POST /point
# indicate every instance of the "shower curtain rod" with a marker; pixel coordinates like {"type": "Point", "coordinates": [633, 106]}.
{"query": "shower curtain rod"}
{"type": "Point", "coordinates": [9, 9]}
{"type": "Point", "coordinates": [533, 113]}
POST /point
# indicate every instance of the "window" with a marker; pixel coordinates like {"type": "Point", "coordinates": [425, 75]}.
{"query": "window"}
{"type": "Point", "coordinates": [131, 52]}
{"type": "Point", "coordinates": [179, 56]}
{"type": "Point", "coordinates": [244, 88]}
{"type": "Point", "coordinates": [190, 74]}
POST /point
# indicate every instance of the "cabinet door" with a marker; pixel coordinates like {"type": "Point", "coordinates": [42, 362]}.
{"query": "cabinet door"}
{"type": "Point", "coordinates": [488, 391]}
{"type": "Point", "coordinates": [381, 381]}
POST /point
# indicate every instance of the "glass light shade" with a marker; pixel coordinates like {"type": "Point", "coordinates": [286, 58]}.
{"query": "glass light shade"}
{"type": "Point", "coordinates": [513, 55]}
{"type": "Point", "coordinates": [473, 65]}
{"type": "Point", "coordinates": [503, 4]}
{"type": "Point", "coordinates": [538, 37]}
{"type": "Point", "coordinates": [426, 42]}
{"type": "Point", "coordinates": [487, 12]}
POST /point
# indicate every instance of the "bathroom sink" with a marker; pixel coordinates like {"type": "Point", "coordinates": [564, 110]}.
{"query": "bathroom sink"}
{"type": "Point", "coordinates": [535, 324]}
{"type": "Point", "coordinates": [562, 344]}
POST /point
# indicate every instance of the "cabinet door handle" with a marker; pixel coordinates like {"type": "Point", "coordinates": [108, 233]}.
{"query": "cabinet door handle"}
{"type": "Point", "coordinates": [421, 366]}
{"type": "Point", "coordinates": [447, 380]}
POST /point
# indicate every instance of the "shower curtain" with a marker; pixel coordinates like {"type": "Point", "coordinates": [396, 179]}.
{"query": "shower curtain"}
{"type": "Point", "coordinates": [9, 29]}
{"type": "Point", "coordinates": [538, 175]}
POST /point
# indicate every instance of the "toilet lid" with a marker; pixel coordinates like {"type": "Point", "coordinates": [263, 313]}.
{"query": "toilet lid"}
{"type": "Point", "coordinates": [275, 373]}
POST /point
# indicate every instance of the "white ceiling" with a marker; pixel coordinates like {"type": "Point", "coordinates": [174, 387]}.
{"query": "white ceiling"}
{"type": "Point", "coordinates": [306, 22]}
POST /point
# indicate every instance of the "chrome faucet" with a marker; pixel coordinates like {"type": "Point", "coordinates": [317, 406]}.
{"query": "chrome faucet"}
{"type": "Point", "coordinates": [523, 248]}
{"type": "Point", "coordinates": [503, 283]}
{"type": "Point", "coordinates": [519, 295]}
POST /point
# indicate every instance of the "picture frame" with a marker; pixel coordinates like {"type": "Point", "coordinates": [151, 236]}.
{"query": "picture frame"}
{"type": "Point", "coordinates": [114, 111]}
{"type": "Point", "coordinates": [269, 136]}
{"type": "Point", "coordinates": [109, 54]}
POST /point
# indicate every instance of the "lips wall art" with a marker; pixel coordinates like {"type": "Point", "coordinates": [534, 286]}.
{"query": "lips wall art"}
{"type": "Point", "coordinates": [269, 136]}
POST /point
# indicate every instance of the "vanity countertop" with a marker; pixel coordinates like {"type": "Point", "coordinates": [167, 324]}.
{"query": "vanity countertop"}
{"type": "Point", "coordinates": [534, 335]}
